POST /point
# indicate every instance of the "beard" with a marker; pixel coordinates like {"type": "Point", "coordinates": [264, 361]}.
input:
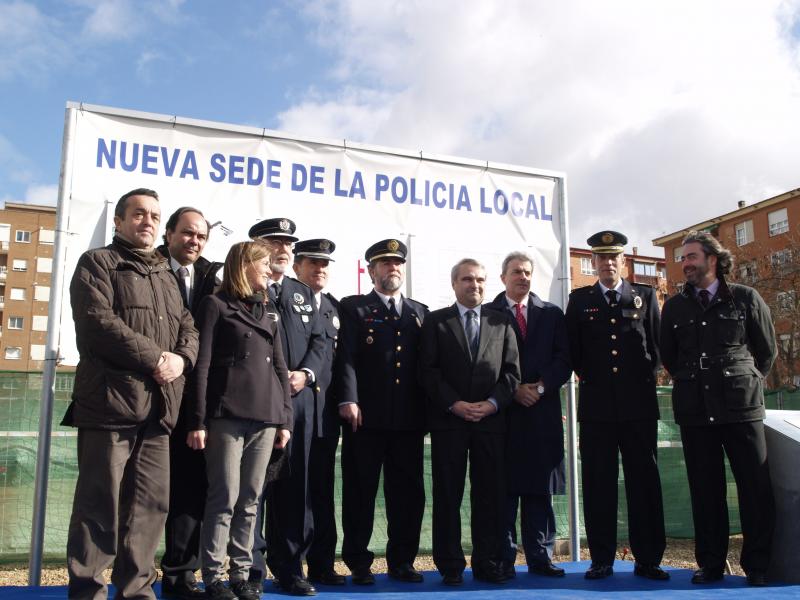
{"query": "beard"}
{"type": "Point", "coordinates": [391, 283]}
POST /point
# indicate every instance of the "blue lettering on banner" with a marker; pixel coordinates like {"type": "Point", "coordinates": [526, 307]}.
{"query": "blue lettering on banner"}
{"type": "Point", "coordinates": [234, 169]}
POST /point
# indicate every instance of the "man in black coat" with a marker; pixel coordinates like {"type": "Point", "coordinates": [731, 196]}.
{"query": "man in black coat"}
{"type": "Point", "coordinates": [535, 435]}
{"type": "Point", "coordinates": [470, 369]}
{"type": "Point", "coordinates": [311, 262]}
{"type": "Point", "coordinates": [383, 406]}
{"type": "Point", "coordinates": [613, 329]}
{"type": "Point", "coordinates": [289, 520]}
{"type": "Point", "coordinates": [185, 238]}
{"type": "Point", "coordinates": [718, 343]}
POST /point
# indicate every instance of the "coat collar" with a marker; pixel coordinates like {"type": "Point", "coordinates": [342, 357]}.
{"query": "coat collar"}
{"type": "Point", "coordinates": [239, 311]}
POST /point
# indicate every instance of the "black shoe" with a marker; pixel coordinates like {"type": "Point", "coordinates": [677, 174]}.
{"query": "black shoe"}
{"type": "Point", "coordinates": [706, 575]}
{"type": "Point", "coordinates": [509, 572]}
{"type": "Point", "coordinates": [452, 579]}
{"type": "Point", "coordinates": [219, 591]}
{"type": "Point", "coordinates": [405, 573]}
{"type": "Point", "coordinates": [599, 571]}
{"type": "Point", "coordinates": [327, 578]}
{"type": "Point", "coordinates": [362, 577]}
{"type": "Point", "coordinates": [296, 585]}
{"type": "Point", "coordinates": [757, 578]}
{"type": "Point", "coordinates": [181, 591]}
{"type": "Point", "coordinates": [247, 590]}
{"type": "Point", "coordinates": [547, 569]}
{"type": "Point", "coordinates": [490, 572]}
{"type": "Point", "coordinates": [653, 572]}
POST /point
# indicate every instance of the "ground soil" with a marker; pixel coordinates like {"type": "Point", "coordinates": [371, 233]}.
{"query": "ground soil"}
{"type": "Point", "coordinates": [679, 553]}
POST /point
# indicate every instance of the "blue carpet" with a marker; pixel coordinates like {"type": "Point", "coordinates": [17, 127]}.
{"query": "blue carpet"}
{"type": "Point", "coordinates": [573, 585]}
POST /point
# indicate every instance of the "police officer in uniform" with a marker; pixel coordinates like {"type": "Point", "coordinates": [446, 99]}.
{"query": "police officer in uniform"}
{"type": "Point", "coordinates": [718, 342]}
{"type": "Point", "coordinates": [384, 408]}
{"type": "Point", "coordinates": [311, 262]}
{"type": "Point", "coordinates": [613, 329]}
{"type": "Point", "coordinates": [289, 521]}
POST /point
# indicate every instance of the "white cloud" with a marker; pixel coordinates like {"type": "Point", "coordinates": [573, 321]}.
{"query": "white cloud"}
{"type": "Point", "coordinates": [42, 194]}
{"type": "Point", "coordinates": [30, 42]}
{"type": "Point", "coordinates": [662, 113]}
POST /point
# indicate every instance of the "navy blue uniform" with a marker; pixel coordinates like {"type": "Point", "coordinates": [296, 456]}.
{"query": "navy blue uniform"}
{"type": "Point", "coordinates": [614, 351]}
{"type": "Point", "coordinates": [377, 363]}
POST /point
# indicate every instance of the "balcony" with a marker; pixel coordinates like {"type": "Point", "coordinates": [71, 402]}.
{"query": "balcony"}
{"type": "Point", "coordinates": [3, 247]}
{"type": "Point", "coordinates": [3, 272]}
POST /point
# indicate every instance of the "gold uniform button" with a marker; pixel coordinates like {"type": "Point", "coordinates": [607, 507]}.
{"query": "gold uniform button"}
{"type": "Point", "coordinates": [397, 381]}
{"type": "Point", "coordinates": [397, 365]}
{"type": "Point", "coordinates": [613, 321]}
{"type": "Point", "coordinates": [703, 323]}
{"type": "Point", "coordinates": [399, 348]}
{"type": "Point", "coordinates": [372, 331]}
{"type": "Point", "coordinates": [615, 369]}
{"type": "Point", "coordinates": [399, 334]}
{"type": "Point", "coordinates": [613, 336]}
{"type": "Point", "coordinates": [614, 352]}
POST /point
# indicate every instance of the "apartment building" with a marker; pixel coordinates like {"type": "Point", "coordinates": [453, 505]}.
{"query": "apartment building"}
{"type": "Point", "coordinates": [765, 240]}
{"type": "Point", "coordinates": [27, 236]}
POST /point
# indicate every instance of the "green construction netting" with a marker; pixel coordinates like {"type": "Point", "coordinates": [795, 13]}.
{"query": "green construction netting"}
{"type": "Point", "coordinates": [20, 395]}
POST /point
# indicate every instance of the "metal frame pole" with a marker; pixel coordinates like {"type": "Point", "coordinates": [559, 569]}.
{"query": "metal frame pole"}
{"type": "Point", "coordinates": [51, 357]}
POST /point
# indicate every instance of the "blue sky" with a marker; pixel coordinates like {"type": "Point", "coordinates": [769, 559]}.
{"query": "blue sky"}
{"type": "Point", "coordinates": [662, 113]}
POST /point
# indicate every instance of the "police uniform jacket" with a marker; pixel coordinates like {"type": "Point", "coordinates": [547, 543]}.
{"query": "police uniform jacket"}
{"type": "Point", "coordinates": [303, 344]}
{"type": "Point", "coordinates": [535, 435]}
{"type": "Point", "coordinates": [377, 362]}
{"type": "Point", "coordinates": [615, 353]}
{"type": "Point", "coordinates": [718, 356]}
{"type": "Point", "coordinates": [327, 416]}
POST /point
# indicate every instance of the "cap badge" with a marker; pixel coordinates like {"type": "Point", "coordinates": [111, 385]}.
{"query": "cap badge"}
{"type": "Point", "coordinates": [637, 301]}
{"type": "Point", "coordinates": [607, 238]}
{"type": "Point", "coordinates": [324, 245]}
{"type": "Point", "coordinates": [393, 245]}
{"type": "Point", "coordinates": [298, 298]}
{"type": "Point", "coordinates": [284, 225]}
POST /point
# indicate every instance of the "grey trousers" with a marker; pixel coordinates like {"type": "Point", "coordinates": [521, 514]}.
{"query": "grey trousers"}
{"type": "Point", "coordinates": [119, 510]}
{"type": "Point", "coordinates": [237, 454]}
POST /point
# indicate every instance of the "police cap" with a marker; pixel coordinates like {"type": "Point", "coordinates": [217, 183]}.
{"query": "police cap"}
{"type": "Point", "coordinates": [607, 242]}
{"type": "Point", "coordinates": [390, 248]}
{"type": "Point", "coordinates": [318, 248]}
{"type": "Point", "coordinates": [273, 228]}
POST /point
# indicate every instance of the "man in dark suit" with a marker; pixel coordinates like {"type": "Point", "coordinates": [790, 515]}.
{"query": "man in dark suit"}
{"type": "Point", "coordinates": [535, 435]}
{"type": "Point", "coordinates": [311, 261]}
{"type": "Point", "coordinates": [383, 406]}
{"type": "Point", "coordinates": [613, 329]}
{"type": "Point", "coordinates": [184, 240]}
{"type": "Point", "coordinates": [289, 521]}
{"type": "Point", "coordinates": [470, 369]}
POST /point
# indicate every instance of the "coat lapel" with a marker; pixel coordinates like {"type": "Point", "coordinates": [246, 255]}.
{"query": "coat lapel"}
{"type": "Point", "coordinates": [240, 312]}
{"type": "Point", "coordinates": [454, 323]}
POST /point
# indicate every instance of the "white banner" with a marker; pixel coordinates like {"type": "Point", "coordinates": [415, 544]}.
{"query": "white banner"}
{"type": "Point", "coordinates": [443, 208]}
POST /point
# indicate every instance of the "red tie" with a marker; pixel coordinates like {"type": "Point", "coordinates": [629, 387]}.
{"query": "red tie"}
{"type": "Point", "coordinates": [523, 325]}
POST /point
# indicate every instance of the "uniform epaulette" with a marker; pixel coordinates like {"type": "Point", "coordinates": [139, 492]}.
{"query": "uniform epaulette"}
{"type": "Point", "coordinates": [642, 284]}
{"type": "Point", "coordinates": [581, 289]}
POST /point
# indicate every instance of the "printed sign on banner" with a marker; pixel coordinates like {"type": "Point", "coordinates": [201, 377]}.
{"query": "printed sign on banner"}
{"type": "Point", "coordinates": [443, 208]}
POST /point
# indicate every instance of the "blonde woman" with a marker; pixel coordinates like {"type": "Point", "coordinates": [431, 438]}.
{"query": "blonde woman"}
{"type": "Point", "coordinates": [242, 409]}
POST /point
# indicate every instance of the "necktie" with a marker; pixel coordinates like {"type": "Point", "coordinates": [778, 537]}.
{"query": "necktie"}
{"type": "Point", "coordinates": [612, 297]}
{"type": "Point", "coordinates": [274, 291]}
{"type": "Point", "coordinates": [183, 275]}
{"type": "Point", "coordinates": [523, 325]}
{"type": "Point", "coordinates": [393, 309]}
{"type": "Point", "coordinates": [471, 329]}
{"type": "Point", "coordinates": [705, 297]}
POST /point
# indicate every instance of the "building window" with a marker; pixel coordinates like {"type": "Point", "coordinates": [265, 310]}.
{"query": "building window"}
{"type": "Point", "coordinates": [17, 294]}
{"type": "Point", "coordinates": [677, 254]}
{"type": "Point", "coordinates": [748, 271]}
{"type": "Point", "coordinates": [44, 265]}
{"type": "Point", "coordinates": [19, 264]}
{"type": "Point", "coordinates": [64, 383]}
{"type": "Point", "coordinates": [41, 293]}
{"type": "Point", "coordinates": [37, 351]}
{"type": "Point", "coordinates": [23, 236]}
{"type": "Point", "coordinates": [662, 273]}
{"type": "Point", "coordinates": [781, 258]}
{"type": "Point", "coordinates": [5, 234]}
{"type": "Point", "coordinates": [785, 301]}
{"type": "Point", "coordinates": [15, 322]}
{"type": "Point", "coordinates": [744, 233]}
{"type": "Point", "coordinates": [47, 236]}
{"type": "Point", "coordinates": [39, 323]}
{"type": "Point", "coordinates": [586, 267]}
{"type": "Point", "coordinates": [647, 269]}
{"type": "Point", "coordinates": [778, 221]}
{"type": "Point", "coordinates": [13, 353]}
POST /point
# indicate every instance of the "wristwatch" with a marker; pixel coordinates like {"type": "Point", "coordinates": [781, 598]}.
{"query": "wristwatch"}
{"type": "Point", "coordinates": [540, 389]}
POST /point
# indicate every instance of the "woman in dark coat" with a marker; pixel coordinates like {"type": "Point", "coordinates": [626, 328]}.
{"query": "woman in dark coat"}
{"type": "Point", "coordinates": [242, 409]}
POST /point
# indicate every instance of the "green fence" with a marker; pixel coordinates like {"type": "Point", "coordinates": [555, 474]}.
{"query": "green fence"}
{"type": "Point", "coordinates": [20, 394]}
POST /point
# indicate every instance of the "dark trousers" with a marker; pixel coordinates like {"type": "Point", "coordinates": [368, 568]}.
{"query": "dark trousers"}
{"type": "Point", "coordinates": [704, 449]}
{"type": "Point", "coordinates": [321, 480]}
{"type": "Point", "coordinates": [449, 452]}
{"type": "Point", "coordinates": [600, 447]}
{"type": "Point", "coordinates": [187, 500]}
{"type": "Point", "coordinates": [400, 455]}
{"type": "Point", "coordinates": [119, 510]}
{"type": "Point", "coordinates": [537, 528]}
